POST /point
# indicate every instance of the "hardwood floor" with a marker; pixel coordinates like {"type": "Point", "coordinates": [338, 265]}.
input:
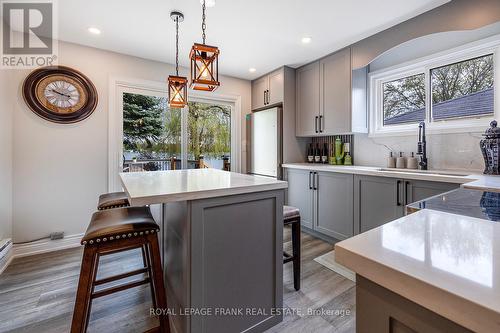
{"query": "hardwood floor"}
{"type": "Point", "coordinates": [37, 294]}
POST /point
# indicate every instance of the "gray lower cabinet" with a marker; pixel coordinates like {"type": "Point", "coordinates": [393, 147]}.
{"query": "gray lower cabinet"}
{"type": "Point", "coordinates": [334, 204]}
{"type": "Point", "coordinates": [325, 200]}
{"type": "Point", "coordinates": [378, 200]}
{"type": "Point", "coordinates": [301, 194]}
{"type": "Point", "coordinates": [417, 190]}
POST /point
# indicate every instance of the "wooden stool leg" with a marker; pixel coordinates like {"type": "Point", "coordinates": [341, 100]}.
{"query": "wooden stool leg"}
{"type": "Point", "coordinates": [81, 313]}
{"type": "Point", "coordinates": [296, 254]}
{"type": "Point", "coordinates": [157, 281]}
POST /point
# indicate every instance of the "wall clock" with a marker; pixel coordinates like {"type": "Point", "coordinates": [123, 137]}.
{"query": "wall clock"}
{"type": "Point", "coordinates": [60, 94]}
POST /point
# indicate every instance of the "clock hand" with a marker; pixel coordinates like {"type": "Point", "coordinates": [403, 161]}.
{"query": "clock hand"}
{"type": "Point", "coordinates": [59, 93]}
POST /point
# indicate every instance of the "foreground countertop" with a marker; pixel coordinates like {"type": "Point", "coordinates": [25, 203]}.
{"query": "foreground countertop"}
{"type": "Point", "coordinates": [447, 263]}
{"type": "Point", "coordinates": [153, 187]}
{"type": "Point", "coordinates": [467, 179]}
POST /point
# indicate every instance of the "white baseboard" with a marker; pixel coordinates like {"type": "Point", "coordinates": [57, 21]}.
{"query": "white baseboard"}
{"type": "Point", "coordinates": [46, 245]}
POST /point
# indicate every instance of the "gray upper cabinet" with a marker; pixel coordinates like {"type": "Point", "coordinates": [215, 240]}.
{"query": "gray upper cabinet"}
{"type": "Point", "coordinates": [307, 104]}
{"type": "Point", "coordinates": [276, 84]}
{"type": "Point", "coordinates": [377, 200]}
{"type": "Point", "coordinates": [301, 194]}
{"type": "Point", "coordinates": [335, 205]}
{"type": "Point", "coordinates": [259, 92]}
{"type": "Point", "coordinates": [268, 90]}
{"type": "Point", "coordinates": [335, 93]}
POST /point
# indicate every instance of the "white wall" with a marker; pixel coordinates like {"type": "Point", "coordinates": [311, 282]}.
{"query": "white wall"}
{"type": "Point", "coordinates": [5, 156]}
{"type": "Point", "coordinates": [445, 151]}
{"type": "Point", "coordinates": [59, 170]}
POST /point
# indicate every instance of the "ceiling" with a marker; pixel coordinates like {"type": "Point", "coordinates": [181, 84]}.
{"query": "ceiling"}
{"type": "Point", "coordinates": [263, 34]}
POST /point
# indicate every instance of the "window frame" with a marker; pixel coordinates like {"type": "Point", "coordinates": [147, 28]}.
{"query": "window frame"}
{"type": "Point", "coordinates": [424, 66]}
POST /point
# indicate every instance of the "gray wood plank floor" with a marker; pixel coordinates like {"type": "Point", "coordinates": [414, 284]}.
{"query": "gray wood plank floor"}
{"type": "Point", "coordinates": [37, 294]}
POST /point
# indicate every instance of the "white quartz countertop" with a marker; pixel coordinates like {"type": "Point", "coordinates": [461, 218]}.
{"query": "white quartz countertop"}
{"type": "Point", "coordinates": [447, 263]}
{"type": "Point", "coordinates": [145, 188]}
{"type": "Point", "coordinates": [467, 179]}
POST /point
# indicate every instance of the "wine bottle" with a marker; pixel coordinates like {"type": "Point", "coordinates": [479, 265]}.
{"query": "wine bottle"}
{"type": "Point", "coordinates": [310, 154]}
{"type": "Point", "coordinates": [324, 154]}
{"type": "Point", "coordinates": [317, 154]}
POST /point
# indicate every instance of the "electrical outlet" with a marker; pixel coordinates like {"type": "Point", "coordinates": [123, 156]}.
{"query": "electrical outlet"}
{"type": "Point", "coordinates": [56, 235]}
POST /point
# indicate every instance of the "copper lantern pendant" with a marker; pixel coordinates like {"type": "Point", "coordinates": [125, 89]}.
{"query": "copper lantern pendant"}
{"type": "Point", "coordinates": [177, 85]}
{"type": "Point", "coordinates": [204, 63]}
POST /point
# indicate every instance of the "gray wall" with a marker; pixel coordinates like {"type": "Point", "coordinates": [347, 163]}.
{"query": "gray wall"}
{"type": "Point", "coordinates": [59, 170]}
{"type": "Point", "coordinates": [453, 16]}
{"type": "Point", "coordinates": [5, 156]}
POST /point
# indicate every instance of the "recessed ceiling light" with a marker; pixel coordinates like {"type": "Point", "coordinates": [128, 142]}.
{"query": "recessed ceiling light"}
{"type": "Point", "coordinates": [94, 31]}
{"type": "Point", "coordinates": [252, 70]}
{"type": "Point", "coordinates": [208, 3]}
{"type": "Point", "coordinates": [306, 40]}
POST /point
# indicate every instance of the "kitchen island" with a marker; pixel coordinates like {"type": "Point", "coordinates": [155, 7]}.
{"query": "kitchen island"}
{"type": "Point", "coordinates": [430, 271]}
{"type": "Point", "coordinates": [222, 241]}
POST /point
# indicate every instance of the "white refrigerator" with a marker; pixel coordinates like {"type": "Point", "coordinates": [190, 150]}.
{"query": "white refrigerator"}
{"type": "Point", "coordinates": [264, 143]}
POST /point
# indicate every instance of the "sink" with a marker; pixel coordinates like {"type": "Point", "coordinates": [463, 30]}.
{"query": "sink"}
{"type": "Point", "coordinates": [426, 172]}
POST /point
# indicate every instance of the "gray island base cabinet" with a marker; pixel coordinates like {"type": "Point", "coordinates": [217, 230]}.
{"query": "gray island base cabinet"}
{"type": "Point", "coordinates": [221, 236]}
{"type": "Point", "coordinates": [224, 255]}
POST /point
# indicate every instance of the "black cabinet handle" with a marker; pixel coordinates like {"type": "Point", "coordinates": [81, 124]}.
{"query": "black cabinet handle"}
{"type": "Point", "coordinates": [315, 181]}
{"type": "Point", "coordinates": [398, 185]}
{"type": "Point", "coordinates": [268, 98]}
{"type": "Point", "coordinates": [320, 124]}
{"type": "Point", "coordinates": [310, 186]}
{"type": "Point", "coordinates": [406, 192]}
{"type": "Point", "coordinates": [316, 124]}
{"type": "Point", "coordinates": [265, 97]}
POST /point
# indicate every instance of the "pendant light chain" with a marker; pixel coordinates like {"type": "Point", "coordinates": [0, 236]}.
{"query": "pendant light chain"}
{"type": "Point", "coordinates": [203, 25]}
{"type": "Point", "coordinates": [177, 45]}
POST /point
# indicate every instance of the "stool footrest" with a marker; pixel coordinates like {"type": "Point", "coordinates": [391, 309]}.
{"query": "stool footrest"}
{"type": "Point", "coordinates": [120, 276]}
{"type": "Point", "coordinates": [125, 286]}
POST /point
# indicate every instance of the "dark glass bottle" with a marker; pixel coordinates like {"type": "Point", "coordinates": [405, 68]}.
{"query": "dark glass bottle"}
{"type": "Point", "coordinates": [324, 154]}
{"type": "Point", "coordinates": [310, 154]}
{"type": "Point", "coordinates": [317, 154]}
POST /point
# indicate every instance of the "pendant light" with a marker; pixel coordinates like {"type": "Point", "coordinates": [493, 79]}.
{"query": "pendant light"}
{"type": "Point", "coordinates": [177, 85]}
{"type": "Point", "coordinates": [204, 62]}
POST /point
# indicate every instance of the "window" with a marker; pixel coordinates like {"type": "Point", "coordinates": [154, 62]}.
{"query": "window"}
{"type": "Point", "coordinates": [404, 100]}
{"type": "Point", "coordinates": [463, 89]}
{"type": "Point", "coordinates": [452, 91]}
{"type": "Point", "coordinates": [153, 134]}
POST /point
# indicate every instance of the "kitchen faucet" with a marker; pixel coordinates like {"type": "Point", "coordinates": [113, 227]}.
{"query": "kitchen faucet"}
{"type": "Point", "coordinates": [422, 147]}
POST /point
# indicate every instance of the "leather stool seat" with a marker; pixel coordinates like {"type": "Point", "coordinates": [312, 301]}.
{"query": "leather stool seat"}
{"type": "Point", "coordinates": [113, 200]}
{"type": "Point", "coordinates": [290, 212]}
{"type": "Point", "coordinates": [107, 225]}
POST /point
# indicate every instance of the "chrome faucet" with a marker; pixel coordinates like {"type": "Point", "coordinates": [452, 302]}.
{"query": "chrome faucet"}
{"type": "Point", "coordinates": [422, 147]}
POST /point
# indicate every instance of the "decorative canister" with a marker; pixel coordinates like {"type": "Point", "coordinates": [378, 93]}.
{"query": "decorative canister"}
{"type": "Point", "coordinates": [490, 147]}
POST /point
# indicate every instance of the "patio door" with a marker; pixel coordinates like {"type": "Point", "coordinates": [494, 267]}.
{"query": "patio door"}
{"type": "Point", "coordinates": [156, 137]}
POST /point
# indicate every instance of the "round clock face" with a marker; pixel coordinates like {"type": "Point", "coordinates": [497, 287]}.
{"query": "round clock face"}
{"type": "Point", "coordinates": [60, 94]}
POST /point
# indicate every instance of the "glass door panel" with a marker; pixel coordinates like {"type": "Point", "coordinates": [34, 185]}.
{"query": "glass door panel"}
{"type": "Point", "coordinates": [151, 134]}
{"type": "Point", "coordinates": [208, 136]}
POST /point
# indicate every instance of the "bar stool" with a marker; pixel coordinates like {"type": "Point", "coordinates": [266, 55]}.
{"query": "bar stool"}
{"type": "Point", "coordinates": [111, 231]}
{"type": "Point", "coordinates": [113, 200]}
{"type": "Point", "coordinates": [291, 216]}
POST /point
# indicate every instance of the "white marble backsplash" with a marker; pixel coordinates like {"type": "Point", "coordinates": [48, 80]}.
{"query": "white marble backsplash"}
{"type": "Point", "coordinates": [444, 151]}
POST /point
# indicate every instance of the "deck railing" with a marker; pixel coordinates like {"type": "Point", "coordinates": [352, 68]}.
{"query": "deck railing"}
{"type": "Point", "coordinates": [172, 163]}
